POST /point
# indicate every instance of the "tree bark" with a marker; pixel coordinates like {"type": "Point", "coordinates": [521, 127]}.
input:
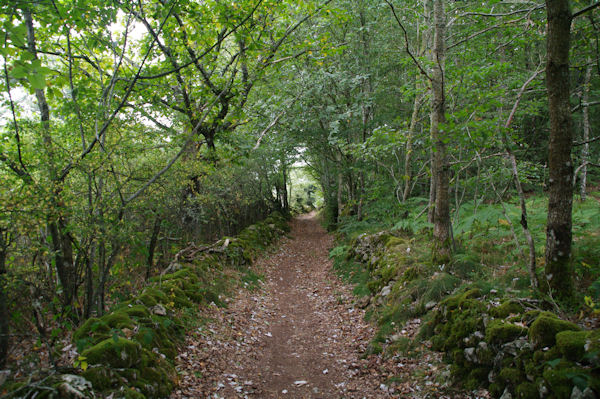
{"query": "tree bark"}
{"type": "Point", "coordinates": [585, 152]}
{"type": "Point", "coordinates": [442, 246]}
{"type": "Point", "coordinates": [284, 173]}
{"type": "Point", "coordinates": [560, 165]}
{"type": "Point", "coordinates": [366, 107]}
{"type": "Point", "coordinates": [419, 96]}
{"type": "Point", "coordinates": [515, 172]}
{"type": "Point", "coordinates": [409, 143]}
{"type": "Point", "coordinates": [57, 220]}
{"type": "Point", "coordinates": [340, 182]}
{"type": "Point", "coordinates": [4, 319]}
{"type": "Point", "coordinates": [152, 245]}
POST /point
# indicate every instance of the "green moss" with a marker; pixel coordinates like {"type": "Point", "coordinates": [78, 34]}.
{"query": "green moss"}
{"type": "Point", "coordinates": [527, 390]}
{"type": "Point", "coordinates": [131, 393]}
{"type": "Point", "coordinates": [499, 332]}
{"type": "Point", "coordinates": [136, 311]}
{"type": "Point", "coordinates": [544, 329]}
{"type": "Point", "coordinates": [592, 347]}
{"type": "Point", "coordinates": [477, 377]}
{"type": "Point", "coordinates": [394, 242]}
{"type": "Point", "coordinates": [560, 379]}
{"type": "Point", "coordinates": [571, 344]}
{"type": "Point", "coordinates": [511, 376]}
{"type": "Point", "coordinates": [118, 320]}
{"type": "Point", "coordinates": [531, 315]}
{"type": "Point", "coordinates": [496, 389]}
{"type": "Point", "coordinates": [120, 353]}
{"type": "Point", "coordinates": [153, 294]}
{"type": "Point", "coordinates": [156, 336]}
{"type": "Point", "coordinates": [176, 296]}
{"type": "Point", "coordinates": [159, 380]}
{"type": "Point", "coordinates": [146, 300]}
{"type": "Point", "coordinates": [532, 366]}
{"type": "Point", "coordinates": [506, 309]}
{"type": "Point", "coordinates": [101, 377]}
{"type": "Point", "coordinates": [91, 326]}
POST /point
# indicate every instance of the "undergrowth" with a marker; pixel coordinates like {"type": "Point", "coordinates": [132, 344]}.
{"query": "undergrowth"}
{"type": "Point", "coordinates": [387, 256]}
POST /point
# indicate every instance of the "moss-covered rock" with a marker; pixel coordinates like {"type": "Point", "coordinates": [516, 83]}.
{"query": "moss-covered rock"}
{"type": "Point", "coordinates": [499, 332]}
{"type": "Point", "coordinates": [527, 390]}
{"type": "Point", "coordinates": [153, 295]}
{"type": "Point", "coordinates": [571, 344]}
{"type": "Point", "coordinates": [510, 376]}
{"type": "Point", "coordinates": [131, 393]}
{"type": "Point", "coordinates": [506, 309]}
{"type": "Point", "coordinates": [561, 378]}
{"type": "Point", "coordinates": [176, 296]}
{"type": "Point", "coordinates": [544, 329]}
{"type": "Point", "coordinates": [119, 353]}
{"type": "Point", "coordinates": [102, 378]}
{"type": "Point", "coordinates": [118, 320]}
{"type": "Point", "coordinates": [92, 326]}
{"type": "Point", "coordinates": [136, 311]}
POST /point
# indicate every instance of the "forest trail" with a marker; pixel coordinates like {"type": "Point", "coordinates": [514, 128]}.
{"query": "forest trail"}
{"type": "Point", "coordinates": [298, 336]}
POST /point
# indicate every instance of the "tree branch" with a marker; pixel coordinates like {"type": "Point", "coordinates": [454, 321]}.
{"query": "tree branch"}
{"type": "Point", "coordinates": [584, 10]}
{"type": "Point", "coordinates": [415, 61]}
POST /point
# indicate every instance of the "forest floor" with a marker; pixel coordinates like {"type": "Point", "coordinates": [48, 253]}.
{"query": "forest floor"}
{"type": "Point", "coordinates": [300, 334]}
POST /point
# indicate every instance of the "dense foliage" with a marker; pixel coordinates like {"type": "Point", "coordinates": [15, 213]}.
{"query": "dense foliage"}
{"type": "Point", "coordinates": [129, 129]}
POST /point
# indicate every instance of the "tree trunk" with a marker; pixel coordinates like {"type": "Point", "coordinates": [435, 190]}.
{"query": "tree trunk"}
{"type": "Point", "coordinates": [284, 172]}
{"type": "Point", "coordinates": [419, 96]}
{"type": "Point", "coordinates": [340, 182]}
{"type": "Point", "coordinates": [442, 246]}
{"type": "Point", "coordinates": [560, 166]}
{"type": "Point", "coordinates": [152, 245]}
{"type": "Point", "coordinates": [57, 221]}
{"type": "Point", "coordinates": [4, 319]}
{"type": "Point", "coordinates": [409, 143]}
{"type": "Point", "coordinates": [585, 152]}
{"type": "Point", "coordinates": [366, 107]}
{"type": "Point", "coordinates": [431, 205]}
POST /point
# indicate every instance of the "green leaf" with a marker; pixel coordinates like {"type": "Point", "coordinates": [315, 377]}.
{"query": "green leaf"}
{"type": "Point", "coordinates": [37, 81]}
{"type": "Point", "coordinates": [18, 72]}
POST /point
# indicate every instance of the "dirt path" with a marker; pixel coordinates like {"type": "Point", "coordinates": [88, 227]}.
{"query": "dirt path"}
{"type": "Point", "coordinates": [298, 336]}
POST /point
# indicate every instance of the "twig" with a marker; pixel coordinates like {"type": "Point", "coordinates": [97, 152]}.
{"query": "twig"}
{"type": "Point", "coordinates": [416, 62]}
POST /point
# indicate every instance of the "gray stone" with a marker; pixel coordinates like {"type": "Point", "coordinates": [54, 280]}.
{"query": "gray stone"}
{"type": "Point", "coordinates": [159, 310]}
{"type": "Point", "coordinates": [386, 291]}
{"type": "Point", "coordinates": [506, 394]}
{"type": "Point", "coordinates": [470, 355]}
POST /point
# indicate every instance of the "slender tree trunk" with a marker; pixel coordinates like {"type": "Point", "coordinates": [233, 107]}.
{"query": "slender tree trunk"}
{"type": "Point", "coordinates": [432, 186]}
{"type": "Point", "coordinates": [409, 143]}
{"type": "Point", "coordinates": [585, 152]}
{"type": "Point", "coordinates": [152, 245]}
{"type": "Point", "coordinates": [515, 172]}
{"type": "Point", "coordinates": [419, 96]}
{"type": "Point", "coordinates": [366, 107]}
{"type": "Point", "coordinates": [560, 165]}
{"type": "Point", "coordinates": [442, 246]}
{"type": "Point", "coordinates": [57, 220]}
{"type": "Point", "coordinates": [340, 182]}
{"type": "Point", "coordinates": [4, 319]}
{"type": "Point", "coordinates": [284, 172]}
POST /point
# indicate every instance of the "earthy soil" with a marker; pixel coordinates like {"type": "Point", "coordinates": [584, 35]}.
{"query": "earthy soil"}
{"type": "Point", "coordinates": [299, 335]}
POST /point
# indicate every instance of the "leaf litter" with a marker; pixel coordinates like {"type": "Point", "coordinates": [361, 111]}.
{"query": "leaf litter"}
{"type": "Point", "coordinates": [301, 335]}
